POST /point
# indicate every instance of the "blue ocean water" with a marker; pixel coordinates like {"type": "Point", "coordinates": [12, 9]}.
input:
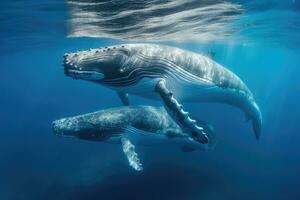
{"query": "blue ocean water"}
{"type": "Point", "coordinates": [258, 40]}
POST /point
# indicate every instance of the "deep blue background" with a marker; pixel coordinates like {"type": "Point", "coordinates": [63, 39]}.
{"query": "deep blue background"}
{"type": "Point", "coordinates": [35, 164]}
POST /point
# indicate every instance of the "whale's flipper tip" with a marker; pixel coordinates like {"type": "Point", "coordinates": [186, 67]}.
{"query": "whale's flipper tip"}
{"type": "Point", "coordinates": [132, 156]}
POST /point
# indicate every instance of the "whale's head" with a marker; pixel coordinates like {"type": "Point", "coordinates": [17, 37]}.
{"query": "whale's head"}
{"type": "Point", "coordinates": [82, 128]}
{"type": "Point", "coordinates": [96, 65]}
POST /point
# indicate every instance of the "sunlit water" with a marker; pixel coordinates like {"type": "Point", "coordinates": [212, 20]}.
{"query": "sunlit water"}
{"type": "Point", "coordinates": [258, 40]}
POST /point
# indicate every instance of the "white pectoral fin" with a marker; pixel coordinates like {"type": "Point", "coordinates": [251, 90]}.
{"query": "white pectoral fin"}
{"type": "Point", "coordinates": [132, 156]}
{"type": "Point", "coordinates": [190, 145]}
{"type": "Point", "coordinates": [176, 111]}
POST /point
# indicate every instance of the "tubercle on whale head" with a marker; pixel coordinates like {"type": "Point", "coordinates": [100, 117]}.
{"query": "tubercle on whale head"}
{"type": "Point", "coordinates": [95, 64]}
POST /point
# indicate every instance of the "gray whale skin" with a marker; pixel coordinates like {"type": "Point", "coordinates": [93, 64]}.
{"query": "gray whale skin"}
{"type": "Point", "coordinates": [169, 74]}
{"type": "Point", "coordinates": [115, 124]}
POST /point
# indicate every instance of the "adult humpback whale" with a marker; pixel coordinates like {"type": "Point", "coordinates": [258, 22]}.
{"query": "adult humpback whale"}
{"type": "Point", "coordinates": [115, 124]}
{"type": "Point", "coordinates": [167, 73]}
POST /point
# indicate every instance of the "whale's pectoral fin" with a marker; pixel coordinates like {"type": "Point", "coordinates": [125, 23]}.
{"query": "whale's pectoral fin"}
{"type": "Point", "coordinates": [176, 111]}
{"type": "Point", "coordinates": [209, 130]}
{"type": "Point", "coordinates": [132, 156]}
{"type": "Point", "coordinates": [124, 98]}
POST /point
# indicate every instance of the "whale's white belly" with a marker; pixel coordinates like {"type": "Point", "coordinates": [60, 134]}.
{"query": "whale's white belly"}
{"type": "Point", "coordinates": [182, 90]}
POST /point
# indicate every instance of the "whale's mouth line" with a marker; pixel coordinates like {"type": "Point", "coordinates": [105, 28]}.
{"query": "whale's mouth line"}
{"type": "Point", "coordinates": [86, 75]}
{"type": "Point", "coordinates": [91, 135]}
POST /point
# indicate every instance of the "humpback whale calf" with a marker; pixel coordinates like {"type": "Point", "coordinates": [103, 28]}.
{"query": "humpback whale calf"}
{"type": "Point", "coordinates": [167, 73]}
{"type": "Point", "coordinates": [115, 124]}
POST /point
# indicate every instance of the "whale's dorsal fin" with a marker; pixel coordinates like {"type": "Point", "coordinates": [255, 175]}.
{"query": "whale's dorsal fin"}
{"type": "Point", "coordinates": [132, 156]}
{"type": "Point", "coordinates": [124, 98]}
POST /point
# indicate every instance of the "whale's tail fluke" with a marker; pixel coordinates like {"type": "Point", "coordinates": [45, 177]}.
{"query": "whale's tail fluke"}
{"type": "Point", "coordinates": [256, 119]}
